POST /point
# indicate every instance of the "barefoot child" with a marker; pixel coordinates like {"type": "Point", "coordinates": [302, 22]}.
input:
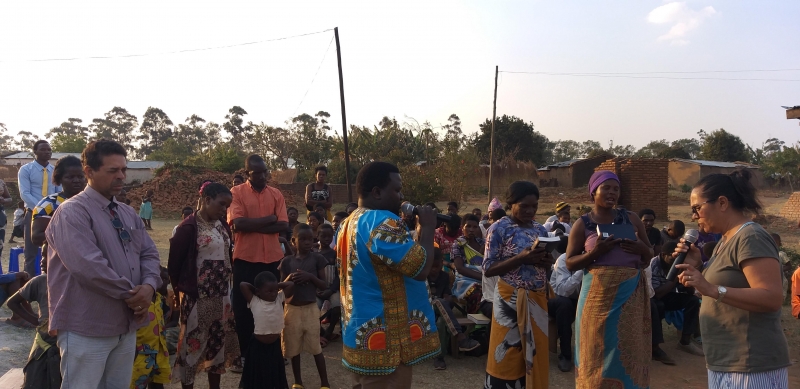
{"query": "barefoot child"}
{"type": "Point", "coordinates": [263, 364]}
{"type": "Point", "coordinates": [301, 317]}
{"type": "Point", "coordinates": [146, 210]}
{"type": "Point", "coordinates": [151, 369]}
{"type": "Point", "coordinates": [331, 293]}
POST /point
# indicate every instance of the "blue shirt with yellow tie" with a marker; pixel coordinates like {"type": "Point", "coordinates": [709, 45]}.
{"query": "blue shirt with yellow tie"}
{"type": "Point", "coordinates": [35, 183]}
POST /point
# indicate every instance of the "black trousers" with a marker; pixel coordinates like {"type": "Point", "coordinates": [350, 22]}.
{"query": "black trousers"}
{"type": "Point", "coordinates": [244, 271]}
{"type": "Point", "coordinates": [674, 302]}
{"type": "Point", "coordinates": [563, 309]}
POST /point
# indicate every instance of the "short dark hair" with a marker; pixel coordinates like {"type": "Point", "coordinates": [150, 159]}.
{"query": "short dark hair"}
{"type": "Point", "coordinates": [325, 226]}
{"type": "Point", "coordinates": [470, 217]}
{"type": "Point", "coordinates": [253, 159]}
{"type": "Point", "coordinates": [320, 168]}
{"type": "Point", "coordinates": [316, 215]}
{"type": "Point", "coordinates": [318, 205]}
{"type": "Point", "coordinates": [736, 187]}
{"type": "Point", "coordinates": [455, 222]}
{"type": "Point", "coordinates": [94, 152]}
{"type": "Point", "coordinates": [497, 214]}
{"type": "Point", "coordinates": [264, 278]}
{"type": "Point", "coordinates": [214, 189]}
{"type": "Point", "coordinates": [38, 142]}
{"type": "Point", "coordinates": [341, 214]}
{"type": "Point", "coordinates": [669, 247]}
{"type": "Point", "coordinates": [300, 227]}
{"type": "Point", "coordinates": [62, 165]}
{"type": "Point", "coordinates": [477, 209]}
{"type": "Point", "coordinates": [374, 174]}
{"type": "Point", "coordinates": [647, 211]}
{"type": "Point", "coordinates": [453, 203]}
{"type": "Point", "coordinates": [239, 176]}
{"type": "Point", "coordinates": [677, 226]}
{"type": "Point", "coordinates": [291, 209]}
{"type": "Point", "coordinates": [518, 190]}
{"type": "Point", "coordinates": [190, 209]}
{"type": "Point", "coordinates": [432, 205]}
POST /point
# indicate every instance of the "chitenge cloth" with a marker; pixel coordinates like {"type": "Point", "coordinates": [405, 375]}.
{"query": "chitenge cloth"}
{"type": "Point", "coordinates": [613, 334]}
{"type": "Point", "coordinates": [518, 345]}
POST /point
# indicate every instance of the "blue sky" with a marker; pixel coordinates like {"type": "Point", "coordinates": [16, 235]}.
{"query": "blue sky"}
{"type": "Point", "coordinates": [412, 59]}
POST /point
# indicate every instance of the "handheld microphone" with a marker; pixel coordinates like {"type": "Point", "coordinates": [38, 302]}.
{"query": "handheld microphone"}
{"type": "Point", "coordinates": [689, 239]}
{"type": "Point", "coordinates": [409, 210]}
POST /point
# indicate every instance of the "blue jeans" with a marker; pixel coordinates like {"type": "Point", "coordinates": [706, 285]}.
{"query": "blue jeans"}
{"type": "Point", "coordinates": [96, 362]}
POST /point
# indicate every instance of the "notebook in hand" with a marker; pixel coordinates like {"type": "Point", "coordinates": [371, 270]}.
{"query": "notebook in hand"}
{"type": "Point", "coordinates": [620, 231]}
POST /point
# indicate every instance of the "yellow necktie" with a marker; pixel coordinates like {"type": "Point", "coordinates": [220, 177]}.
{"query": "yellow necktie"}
{"type": "Point", "coordinates": [44, 182]}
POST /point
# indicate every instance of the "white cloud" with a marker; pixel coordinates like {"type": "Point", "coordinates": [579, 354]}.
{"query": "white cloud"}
{"type": "Point", "coordinates": [682, 18]}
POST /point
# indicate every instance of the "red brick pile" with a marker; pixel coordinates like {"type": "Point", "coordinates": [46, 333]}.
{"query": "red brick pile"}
{"type": "Point", "coordinates": [177, 187]}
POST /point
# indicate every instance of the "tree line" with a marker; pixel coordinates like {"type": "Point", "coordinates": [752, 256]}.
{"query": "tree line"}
{"type": "Point", "coordinates": [305, 141]}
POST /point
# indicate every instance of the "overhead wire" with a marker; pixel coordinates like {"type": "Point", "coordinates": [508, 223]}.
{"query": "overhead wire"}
{"type": "Point", "coordinates": [647, 75]}
{"type": "Point", "coordinates": [169, 52]}
{"type": "Point", "coordinates": [315, 76]}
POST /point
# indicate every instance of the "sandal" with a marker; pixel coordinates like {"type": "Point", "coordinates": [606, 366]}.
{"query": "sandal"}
{"type": "Point", "coordinates": [323, 342]}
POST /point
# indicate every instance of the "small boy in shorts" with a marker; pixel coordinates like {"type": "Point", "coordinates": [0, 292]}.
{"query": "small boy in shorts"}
{"type": "Point", "coordinates": [306, 269]}
{"type": "Point", "coordinates": [331, 294]}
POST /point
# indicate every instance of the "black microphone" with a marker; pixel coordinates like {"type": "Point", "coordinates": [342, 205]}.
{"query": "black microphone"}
{"type": "Point", "coordinates": [409, 210]}
{"type": "Point", "coordinates": [688, 239]}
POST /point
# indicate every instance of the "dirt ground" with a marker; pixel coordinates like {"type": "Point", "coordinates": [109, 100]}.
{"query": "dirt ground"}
{"type": "Point", "coordinates": [468, 372]}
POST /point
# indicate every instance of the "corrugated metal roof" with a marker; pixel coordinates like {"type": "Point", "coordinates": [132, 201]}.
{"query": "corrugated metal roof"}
{"type": "Point", "coordinates": [702, 162]}
{"type": "Point", "coordinates": [145, 164]}
{"type": "Point", "coordinates": [25, 154]}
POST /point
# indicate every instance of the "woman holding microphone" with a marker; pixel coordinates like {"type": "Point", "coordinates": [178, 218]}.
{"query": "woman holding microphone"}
{"type": "Point", "coordinates": [740, 316]}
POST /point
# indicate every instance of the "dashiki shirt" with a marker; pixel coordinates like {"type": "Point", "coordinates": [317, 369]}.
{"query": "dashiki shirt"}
{"type": "Point", "coordinates": [387, 318]}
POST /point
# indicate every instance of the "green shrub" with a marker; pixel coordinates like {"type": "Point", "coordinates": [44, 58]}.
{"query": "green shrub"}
{"type": "Point", "coordinates": [420, 185]}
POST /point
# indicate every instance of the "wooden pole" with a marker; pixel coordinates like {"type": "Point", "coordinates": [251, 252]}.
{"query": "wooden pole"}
{"type": "Point", "coordinates": [344, 119]}
{"type": "Point", "coordinates": [491, 139]}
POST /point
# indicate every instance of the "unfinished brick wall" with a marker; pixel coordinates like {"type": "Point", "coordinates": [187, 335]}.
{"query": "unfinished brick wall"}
{"type": "Point", "coordinates": [645, 183]}
{"type": "Point", "coordinates": [791, 210]}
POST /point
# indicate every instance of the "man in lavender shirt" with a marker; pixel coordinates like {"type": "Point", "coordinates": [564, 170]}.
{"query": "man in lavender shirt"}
{"type": "Point", "coordinates": [103, 270]}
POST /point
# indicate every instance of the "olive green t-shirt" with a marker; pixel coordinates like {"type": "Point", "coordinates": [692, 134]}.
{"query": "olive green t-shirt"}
{"type": "Point", "coordinates": [736, 340]}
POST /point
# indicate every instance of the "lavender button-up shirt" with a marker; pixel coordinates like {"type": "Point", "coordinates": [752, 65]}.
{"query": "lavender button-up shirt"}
{"type": "Point", "coordinates": [90, 269]}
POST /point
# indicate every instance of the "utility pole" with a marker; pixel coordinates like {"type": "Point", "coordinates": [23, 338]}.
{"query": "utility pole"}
{"type": "Point", "coordinates": [491, 139]}
{"type": "Point", "coordinates": [344, 118]}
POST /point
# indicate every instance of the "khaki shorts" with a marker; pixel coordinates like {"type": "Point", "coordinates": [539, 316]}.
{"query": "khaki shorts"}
{"type": "Point", "coordinates": [301, 330]}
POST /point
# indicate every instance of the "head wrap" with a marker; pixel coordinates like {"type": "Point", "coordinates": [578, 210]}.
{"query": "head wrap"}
{"type": "Point", "coordinates": [495, 204]}
{"type": "Point", "coordinates": [598, 178]}
{"type": "Point", "coordinates": [560, 206]}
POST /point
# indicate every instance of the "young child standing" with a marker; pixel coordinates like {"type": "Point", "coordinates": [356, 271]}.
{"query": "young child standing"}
{"type": "Point", "coordinates": [151, 368]}
{"type": "Point", "coordinates": [301, 317]}
{"type": "Point", "coordinates": [331, 294]}
{"type": "Point", "coordinates": [19, 220]}
{"type": "Point", "coordinates": [263, 364]}
{"type": "Point", "coordinates": [146, 210]}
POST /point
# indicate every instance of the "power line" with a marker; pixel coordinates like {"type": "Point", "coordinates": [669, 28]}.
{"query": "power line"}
{"type": "Point", "coordinates": [669, 72]}
{"type": "Point", "coordinates": [313, 78]}
{"type": "Point", "coordinates": [633, 75]}
{"type": "Point", "coordinates": [171, 52]}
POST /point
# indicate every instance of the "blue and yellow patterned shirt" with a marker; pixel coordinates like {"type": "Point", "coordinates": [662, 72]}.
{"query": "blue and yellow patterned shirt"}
{"type": "Point", "coordinates": [387, 318]}
{"type": "Point", "coordinates": [48, 205]}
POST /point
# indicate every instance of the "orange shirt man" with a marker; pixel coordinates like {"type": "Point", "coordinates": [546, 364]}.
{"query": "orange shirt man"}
{"type": "Point", "coordinates": [257, 216]}
{"type": "Point", "coordinates": [796, 293]}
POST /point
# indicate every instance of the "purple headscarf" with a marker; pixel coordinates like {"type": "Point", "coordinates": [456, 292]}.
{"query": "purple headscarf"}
{"type": "Point", "coordinates": [598, 178]}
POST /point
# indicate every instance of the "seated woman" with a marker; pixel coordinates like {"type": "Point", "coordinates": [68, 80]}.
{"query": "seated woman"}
{"type": "Point", "coordinates": [467, 253]}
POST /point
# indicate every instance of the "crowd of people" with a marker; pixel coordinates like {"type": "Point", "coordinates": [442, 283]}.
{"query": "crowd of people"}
{"type": "Point", "coordinates": [252, 287]}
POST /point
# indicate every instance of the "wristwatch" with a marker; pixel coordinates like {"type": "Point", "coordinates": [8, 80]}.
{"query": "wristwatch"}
{"type": "Point", "coordinates": [721, 290]}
